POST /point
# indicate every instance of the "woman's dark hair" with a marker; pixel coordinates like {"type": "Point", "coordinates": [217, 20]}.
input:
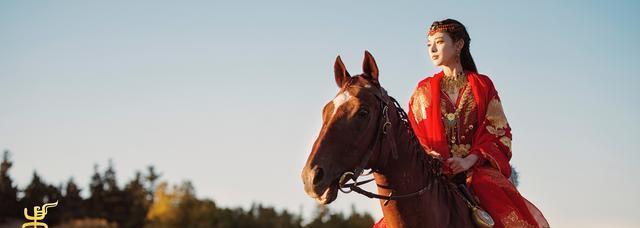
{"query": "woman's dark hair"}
{"type": "Point", "coordinates": [458, 32]}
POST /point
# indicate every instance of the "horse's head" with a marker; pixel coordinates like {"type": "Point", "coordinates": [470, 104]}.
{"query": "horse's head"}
{"type": "Point", "coordinates": [352, 124]}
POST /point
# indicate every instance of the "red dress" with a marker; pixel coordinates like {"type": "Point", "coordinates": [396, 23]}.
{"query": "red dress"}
{"type": "Point", "coordinates": [475, 124]}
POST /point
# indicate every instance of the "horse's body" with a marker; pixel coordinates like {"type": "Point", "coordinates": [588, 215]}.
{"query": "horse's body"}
{"type": "Point", "coordinates": [355, 136]}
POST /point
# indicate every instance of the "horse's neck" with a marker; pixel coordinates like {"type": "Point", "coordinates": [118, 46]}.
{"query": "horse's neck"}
{"type": "Point", "coordinates": [406, 174]}
{"type": "Point", "coordinates": [412, 171]}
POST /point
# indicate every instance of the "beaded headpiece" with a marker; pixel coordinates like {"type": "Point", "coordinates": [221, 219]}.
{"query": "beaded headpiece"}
{"type": "Point", "coordinates": [448, 28]}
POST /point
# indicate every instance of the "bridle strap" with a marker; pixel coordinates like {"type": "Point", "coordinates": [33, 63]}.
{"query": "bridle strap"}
{"type": "Point", "coordinates": [391, 196]}
{"type": "Point", "coordinates": [383, 122]}
{"type": "Point", "coordinates": [385, 100]}
{"type": "Point", "coordinates": [385, 125]}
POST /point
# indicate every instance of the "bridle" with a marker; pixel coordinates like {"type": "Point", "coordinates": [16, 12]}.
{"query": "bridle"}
{"type": "Point", "coordinates": [385, 124]}
{"type": "Point", "coordinates": [382, 134]}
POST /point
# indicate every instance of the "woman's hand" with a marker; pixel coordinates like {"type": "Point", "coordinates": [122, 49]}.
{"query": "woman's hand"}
{"type": "Point", "coordinates": [434, 154]}
{"type": "Point", "coordinates": [459, 165]}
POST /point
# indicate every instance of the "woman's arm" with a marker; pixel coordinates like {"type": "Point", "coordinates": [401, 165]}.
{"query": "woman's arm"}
{"type": "Point", "coordinates": [492, 141]}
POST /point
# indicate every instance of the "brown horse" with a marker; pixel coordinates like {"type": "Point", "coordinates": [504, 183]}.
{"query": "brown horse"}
{"type": "Point", "coordinates": [364, 128]}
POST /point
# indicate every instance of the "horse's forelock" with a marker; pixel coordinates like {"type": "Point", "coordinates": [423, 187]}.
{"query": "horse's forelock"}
{"type": "Point", "coordinates": [361, 80]}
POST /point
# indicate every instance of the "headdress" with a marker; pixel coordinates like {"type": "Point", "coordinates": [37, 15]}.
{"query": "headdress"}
{"type": "Point", "coordinates": [448, 28]}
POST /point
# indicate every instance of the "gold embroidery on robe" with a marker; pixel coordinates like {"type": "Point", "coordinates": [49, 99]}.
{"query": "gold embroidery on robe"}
{"type": "Point", "coordinates": [464, 117]}
{"type": "Point", "coordinates": [460, 150]}
{"type": "Point", "coordinates": [495, 114]}
{"type": "Point", "coordinates": [444, 106]}
{"type": "Point", "coordinates": [495, 131]}
{"type": "Point", "coordinates": [421, 101]}
{"type": "Point", "coordinates": [469, 114]}
{"type": "Point", "coordinates": [512, 220]}
{"type": "Point", "coordinates": [464, 101]}
{"type": "Point", "coordinates": [506, 141]}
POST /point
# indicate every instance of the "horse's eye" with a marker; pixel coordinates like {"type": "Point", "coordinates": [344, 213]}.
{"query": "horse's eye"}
{"type": "Point", "coordinates": [363, 112]}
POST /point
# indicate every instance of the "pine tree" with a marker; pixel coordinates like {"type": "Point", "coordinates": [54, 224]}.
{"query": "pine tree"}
{"type": "Point", "coordinates": [151, 178]}
{"type": "Point", "coordinates": [114, 203]}
{"type": "Point", "coordinates": [9, 208]}
{"type": "Point", "coordinates": [73, 206]}
{"type": "Point", "coordinates": [34, 193]}
{"type": "Point", "coordinates": [109, 178]}
{"type": "Point", "coordinates": [514, 177]}
{"type": "Point", "coordinates": [95, 203]}
{"type": "Point", "coordinates": [137, 203]}
{"type": "Point", "coordinates": [38, 193]}
{"type": "Point", "coordinates": [325, 218]}
{"type": "Point", "coordinates": [359, 220]}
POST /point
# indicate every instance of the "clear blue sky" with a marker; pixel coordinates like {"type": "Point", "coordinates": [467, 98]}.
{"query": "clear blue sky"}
{"type": "Point", "coordinates": [228, 95]}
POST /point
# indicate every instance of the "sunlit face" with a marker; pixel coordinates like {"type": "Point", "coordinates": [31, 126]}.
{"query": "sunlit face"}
{"type": "Point", "coordinates": [442, 50]}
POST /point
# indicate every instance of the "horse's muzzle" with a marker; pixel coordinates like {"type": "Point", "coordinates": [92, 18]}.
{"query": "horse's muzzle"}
{"type": "Point", "coordinates": [318, 186]}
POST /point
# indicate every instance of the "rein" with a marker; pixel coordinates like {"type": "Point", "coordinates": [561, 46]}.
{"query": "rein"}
{"type": "Point", "coordinates": [385, 123]}
{"type": "Point", "coordinates": [385, 99]}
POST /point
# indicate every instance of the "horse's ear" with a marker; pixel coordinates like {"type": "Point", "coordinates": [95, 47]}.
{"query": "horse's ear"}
{"type": "Point", "coordinates": [340, 72]}
{"type": "Point", "coordinates": [369, 67]}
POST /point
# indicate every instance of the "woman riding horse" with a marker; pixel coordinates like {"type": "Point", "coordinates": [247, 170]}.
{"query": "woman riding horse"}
{"type": "Point", "coordinates": [457, 116]}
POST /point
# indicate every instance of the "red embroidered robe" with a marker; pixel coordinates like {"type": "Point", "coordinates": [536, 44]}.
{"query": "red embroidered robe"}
{"type": "Point", "coordinates": [482, 129]}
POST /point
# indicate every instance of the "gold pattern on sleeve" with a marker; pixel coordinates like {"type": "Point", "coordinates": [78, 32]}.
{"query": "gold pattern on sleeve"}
{"type": "Point", "coordinates": [494, 131]}
{"type": "Point", "coordinates": [512, 220]}
{"type": "Point", "coordinates": [497, 119]}
{"type": "Point", "coordinates": [421, 101]}
{"type": "Point", "coordinates": [495, 114]}
{"type": "Point", "coordinates": [506, 141]}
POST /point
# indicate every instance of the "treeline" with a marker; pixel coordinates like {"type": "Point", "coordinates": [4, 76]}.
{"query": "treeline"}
{"type": "Point", "coordinates": [146, 202]}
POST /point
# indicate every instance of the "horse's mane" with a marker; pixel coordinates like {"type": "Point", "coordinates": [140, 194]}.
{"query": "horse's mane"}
{"type": "Point", "coordinates": [433, 165]}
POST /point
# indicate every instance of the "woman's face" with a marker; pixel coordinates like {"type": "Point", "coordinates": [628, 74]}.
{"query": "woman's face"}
{"type": "Point", "coordinates": [442, 50]}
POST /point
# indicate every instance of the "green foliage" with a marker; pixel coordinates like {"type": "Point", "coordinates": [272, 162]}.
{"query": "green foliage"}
{"type": "Point", "coordinates": [135, 195]}
{"type": "Point", "coordinates": [74, 206]}
{"type": "Point", "coordinates": [142, 202]}
{"type": "Point", "coordinates": [325, 219]}
{"type": "Point", "coordinates": [39, 193]}
{"type": "Point", "coordinates": [178, 207]}
{"type": "Point", "coordinates": [8, 192]}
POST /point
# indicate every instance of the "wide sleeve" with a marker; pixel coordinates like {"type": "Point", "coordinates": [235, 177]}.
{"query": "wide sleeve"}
{"type": "Point", "coordinates": [492, 140]}
{"type": "Point", "coordinates": [418, 104]}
